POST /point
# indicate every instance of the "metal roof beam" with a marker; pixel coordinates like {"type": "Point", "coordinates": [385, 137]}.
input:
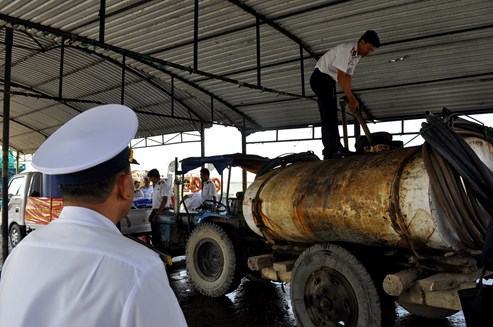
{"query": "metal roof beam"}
{"type": "Point", "coordinates": [297, 59]}
{"type": "Point", "coordinates": [32, 129]}
{"type": "Point", "coordinates": [102, 19]}
{"type": "Point", "coordinates": [15, 84]}
{"type": "Point", "coordinates": [29, 56]}
{"type": "Point", "coordinates": [246, 26]}
{"type": "Point", "coordinates": [54, 98]}
{"type": "Point", "coordinates": [154, 62]}
{"type": "Point", "coordinates": [274, 25]}
{"type": "Point", "coordinates": [144, 78]}
{"type": "Point", "coordinates": [155, 114]}
{"type": "Point", "coordinates": [103, 58]}
{"type": "Point", "coordinates": [430, 36]}
{"type": "Point", "coordinates": [116, 12]}
{"type": "Point", "coordinates": [249, 69]}
{"type": "Point", "coordinates": [448, 79]}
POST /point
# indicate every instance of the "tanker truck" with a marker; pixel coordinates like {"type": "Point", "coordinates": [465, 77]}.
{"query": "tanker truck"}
{"type": "Point", "coordinates": [354, 235]}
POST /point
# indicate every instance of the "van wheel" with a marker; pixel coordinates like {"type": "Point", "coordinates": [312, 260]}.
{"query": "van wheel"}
{"type": "Point", "coordinates": [16, 234]}
{"type": "Point", "coordinates": [211, 261]}
{"type": "Point", "coordinates": [330, 287]}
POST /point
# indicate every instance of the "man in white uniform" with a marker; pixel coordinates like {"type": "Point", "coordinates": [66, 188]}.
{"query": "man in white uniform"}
{"type": "Point", "coordinates": [147, 188]}
{"type": "Point", "coordinates": [161, 200]}
{"type": "Point", "coordinates": [161, 195]}
{"type": "Point", "coordinates": [80, 271]}
{"type": "Point", "coordinates": [337, 65]}
{"type": "Point", "coordinates": [209, 192]}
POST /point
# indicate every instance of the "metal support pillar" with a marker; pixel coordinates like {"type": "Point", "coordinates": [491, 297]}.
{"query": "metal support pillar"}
{"type": "Point", "coordinates": [172, 96]}
{"type": "Point", "coordinates": [302, 69]}
{"type": "Point", "coordinates": [124, 66]}
{"type": "Point", "coordinates": [62, 60]}
{"type": "Point", "coordinates": [257, 28]}
{"type": "Point", "coordinates": [202, 140]}
{"type": "Point", "coordinates": [357, 129]}
{"type": "Point", "coordinates": [243, 151]}
{"type": "Point", "coordinates": [102, 19]}
{"type": "Point", "coordinates": [212, 110]}
{"type": "Point", "coordinates": [9, 37]}
{"type": "Point", "coordinates": [17, 162]}
{"type": "Point", "coordinates": [196, 35]}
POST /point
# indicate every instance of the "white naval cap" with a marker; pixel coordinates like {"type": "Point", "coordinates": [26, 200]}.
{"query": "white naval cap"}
{"type": "Point", "coordinates": [90, 146]}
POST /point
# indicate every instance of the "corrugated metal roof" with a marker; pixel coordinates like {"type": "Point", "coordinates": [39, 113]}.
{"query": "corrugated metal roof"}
{"type": "Point", "coordinates": [447, 47]}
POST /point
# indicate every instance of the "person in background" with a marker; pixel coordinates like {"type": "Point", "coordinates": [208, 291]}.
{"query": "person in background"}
{"type": "Point", "coordinates": [79, 270]}
{"type": "Point", "coordinates": [209, 192]}
{"type": "Point", "coordinates": [160, 202]}
{"type": "Point", "coordinates": [147, 188]}
{"type": "Point", "coordinates": [337, 66]}
{"type": "Point", "coordinates": [138, 194]}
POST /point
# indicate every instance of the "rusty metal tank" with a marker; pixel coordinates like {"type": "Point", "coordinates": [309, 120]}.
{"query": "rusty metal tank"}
{"type": "Point", "coordinates": [371, 199]}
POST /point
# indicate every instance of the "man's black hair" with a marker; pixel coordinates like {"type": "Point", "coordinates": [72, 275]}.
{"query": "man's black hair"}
{"type": "Point", "coordinates": [371, 37]}
{"type": "Point", "coordinates": [96, 192]}
{"type": "Point", "coordinates": [153, 173]}
{"type": "Point", "coordinates": [205, 171]}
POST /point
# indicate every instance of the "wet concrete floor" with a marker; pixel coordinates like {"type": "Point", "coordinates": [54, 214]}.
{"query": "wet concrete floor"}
{"type": "Point", "coordinates": [261, 304]}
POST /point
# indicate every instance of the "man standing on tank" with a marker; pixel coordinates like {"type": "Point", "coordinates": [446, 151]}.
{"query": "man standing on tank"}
{"type": "Point", "coordinates": [337, 65]}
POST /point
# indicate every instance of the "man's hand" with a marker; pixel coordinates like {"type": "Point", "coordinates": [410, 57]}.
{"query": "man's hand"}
{"type": "Point", "coordinates": [353, 104]}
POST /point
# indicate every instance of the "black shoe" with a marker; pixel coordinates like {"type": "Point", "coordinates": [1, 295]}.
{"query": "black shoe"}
{"type": "Point", "coordinates": [339, 154]}
{"type": "Point", "coordinates": [342, 149]}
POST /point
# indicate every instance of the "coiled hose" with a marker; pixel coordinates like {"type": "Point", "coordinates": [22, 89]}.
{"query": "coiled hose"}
{"type": "Point", "coordinates": [461, 183]}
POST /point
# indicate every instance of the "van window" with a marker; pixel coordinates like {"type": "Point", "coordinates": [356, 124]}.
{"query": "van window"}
{"type": "Point", "coordinates": [16, 185]}
{"type": "Point", "coordinates": [35, 187]}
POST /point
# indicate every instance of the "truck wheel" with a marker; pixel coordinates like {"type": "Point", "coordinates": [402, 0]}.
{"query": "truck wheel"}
{"type": "Point", "coordinates": [211, 261]}
{"type": "Point", "coordinates": [330, 287]}
{"type": "Point", "coordinates": [16, 234]}
{"type": "Point", "coordinates": [427, 311]}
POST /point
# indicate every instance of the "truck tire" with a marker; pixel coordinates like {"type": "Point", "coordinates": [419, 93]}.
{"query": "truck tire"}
{"type": "Point", "coordinates": [211, 261]}
{"type": "Point", "coordinates": [16, 234]}
{"type": "Point", "coordinates": [330, 287]}
{"type": "Point", "coordinates": [427, 311]}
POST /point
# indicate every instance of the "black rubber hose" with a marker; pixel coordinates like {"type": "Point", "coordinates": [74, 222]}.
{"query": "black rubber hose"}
{"type": "Point", "coordinates": [460, 182]}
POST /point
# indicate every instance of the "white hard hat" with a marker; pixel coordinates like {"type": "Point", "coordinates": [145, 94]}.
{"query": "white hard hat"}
{"type": "Point", "coordinates": [90, 145]}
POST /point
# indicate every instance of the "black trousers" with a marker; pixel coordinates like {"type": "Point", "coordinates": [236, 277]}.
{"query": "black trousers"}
{"type": "Point", "coordinates": [325, 88]}
{"type": "Point", "coordinates": [155, 228]}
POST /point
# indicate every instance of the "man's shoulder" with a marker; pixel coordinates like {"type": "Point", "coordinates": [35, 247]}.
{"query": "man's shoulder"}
{"type": "Point", "coordinates": [123, 249]}
{"type": "Point", "coordinates": [346, 46]}
{"type": "Point", "coordinates": [75, 237]}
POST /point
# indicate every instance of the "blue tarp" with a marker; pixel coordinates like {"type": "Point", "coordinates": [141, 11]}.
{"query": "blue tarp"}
{"type": "Point", "coordinates": [249, 162]}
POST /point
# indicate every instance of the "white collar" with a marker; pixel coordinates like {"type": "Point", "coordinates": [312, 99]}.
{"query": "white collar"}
{"type": "Point", "coordinates": [354, 50]}
{"type": "Point", "coordinates": [87, 217]}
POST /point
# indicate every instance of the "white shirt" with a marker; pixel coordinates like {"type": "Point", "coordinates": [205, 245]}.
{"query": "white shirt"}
{"type": "Point", "coordinates": [193, 201]}
{"type": "Point", "coordinates": [161, 189]}
{"type": "Point", "coordinates": [79, 271]}
{"type": "Point", "coordinates": [147, 191]}
{"type": "Point", "coordinates": [208, 191]}
{"type": "Point", "coordinates": [138, 194]}
{"type": "Point", "coordinates": [342, 57]}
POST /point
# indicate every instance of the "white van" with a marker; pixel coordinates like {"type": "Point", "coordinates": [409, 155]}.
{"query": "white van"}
{"type": "Point", "coordinates": [34, 202]}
